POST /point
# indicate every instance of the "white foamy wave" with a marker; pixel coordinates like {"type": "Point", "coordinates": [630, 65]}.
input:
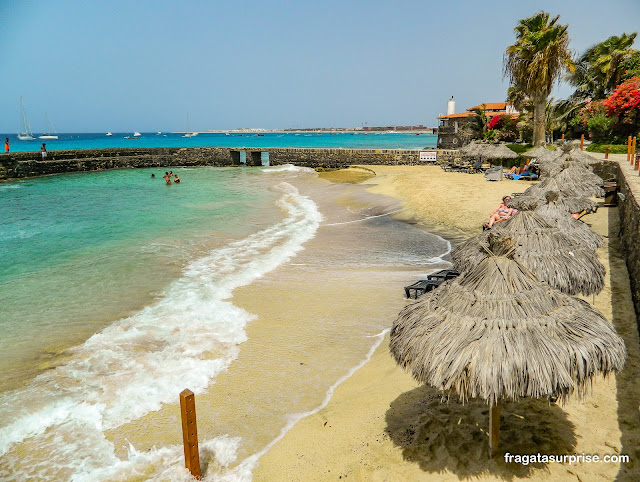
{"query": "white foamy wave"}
{"type": "Point", "coordinates": [287, 168]}
{"type": "Point", "coordinates": [9, 185]}
{"type": "Point", "coordinates": [438, 259]}
{"type": "Point", "coordinates": [141, 362]}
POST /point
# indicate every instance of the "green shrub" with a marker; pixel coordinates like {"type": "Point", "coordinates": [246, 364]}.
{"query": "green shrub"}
{"type": "Point", "coordinates": [519, 148]}
{"type": "Point", "coordinates": [601, 127]}
{"type": "Point", "coordinates": [613, 148]}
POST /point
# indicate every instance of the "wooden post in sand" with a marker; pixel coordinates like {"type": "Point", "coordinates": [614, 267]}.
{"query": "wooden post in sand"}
{"type": "Point", "coordinates": [494, 429]}
{"type": "Point", "coordinates": [606, 152]}
{"type": "Point", "coordinates": [628, 148]}
{"type": "Point", "coordinates": [582, 142]}
{"type": "Point", "coordinates": [190, 432]}
{"type": "Point", "coordinates": [634, 159]}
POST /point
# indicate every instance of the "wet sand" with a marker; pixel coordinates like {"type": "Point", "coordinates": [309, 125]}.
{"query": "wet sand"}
{"type": "Point", "coordinates": [381, 425]}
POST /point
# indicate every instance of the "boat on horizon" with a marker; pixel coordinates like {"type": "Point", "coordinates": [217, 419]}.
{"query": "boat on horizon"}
{"type": "Point", "coordinates": [109, 134]}
{"type": "Point", "coordinates": [136, 135]}
{"type": "Point", "coordinates": [51, 130]}
{"type": "Point", "coordinates": [189, 133]}
{"type": "Point", "coordinates": [26, 134]}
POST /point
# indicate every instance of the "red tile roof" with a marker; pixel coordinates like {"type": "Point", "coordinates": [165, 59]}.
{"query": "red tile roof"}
{"type": "Point", "coordinates": [490, 106]}
{"type": "Point", "coordinates": [470, 114]}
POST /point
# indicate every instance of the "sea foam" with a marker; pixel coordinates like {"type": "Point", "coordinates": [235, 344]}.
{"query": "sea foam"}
{"type": "Point", "coordinates": [139, 363]}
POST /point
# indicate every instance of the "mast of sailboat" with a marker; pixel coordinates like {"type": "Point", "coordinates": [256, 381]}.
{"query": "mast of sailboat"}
{"type": "Point", "coordinates": [27, 134]}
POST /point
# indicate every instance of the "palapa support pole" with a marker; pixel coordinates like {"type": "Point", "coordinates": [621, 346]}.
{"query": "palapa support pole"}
{"type": "Point", "coordinates": [606, 152]}
{"type": "Point", "coordinates": [582, 142]}
{"type": "Point", "coordinates": [190, 432]}
{"type": "Point", "coordinates": [494, 429]}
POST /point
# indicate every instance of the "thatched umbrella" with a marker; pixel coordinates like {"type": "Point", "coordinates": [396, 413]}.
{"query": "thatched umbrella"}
{"type": "Point", "coordinates": [573, 228]}
{"type": "Point", "coordinates": [578, 155]}
{"type": "Point", "coordinates": [496, 333]}
{"type": "Point", "coordinates": [500, 152]}
{"type": "Point", "coordinates": [470, 149]}
{"type": "Point", "coordinates": [540, 153]}
{"type": "Point", "coordinates": [568, 199]}
{"type": "Point", "coordinates": [552, 256]}
{"type": "Point", "coordinates": [582, 181]}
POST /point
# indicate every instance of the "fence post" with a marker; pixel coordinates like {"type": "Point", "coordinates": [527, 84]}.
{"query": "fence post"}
{"type": "Point", "coordinates": [606, 152]}
{"type": "Point", "coordinates": [634, 159]}
{"type": "Point", "coordinates": [190, 432]}
{"type": "Point", "coordinates": [582, 142]}
{"type": "Point", "coordinates": [628, 149]}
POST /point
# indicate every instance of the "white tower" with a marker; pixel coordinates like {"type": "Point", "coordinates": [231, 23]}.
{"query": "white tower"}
{"type": "Point", "coordinates": [451, 106]}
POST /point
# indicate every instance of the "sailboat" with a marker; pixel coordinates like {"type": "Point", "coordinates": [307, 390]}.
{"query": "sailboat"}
{"type": "Point", "coordinates": [26, 135]}
{"type": "Point", "coordinates": [51, 130]}
{"type": "Point", "coordinates": [189, 133]}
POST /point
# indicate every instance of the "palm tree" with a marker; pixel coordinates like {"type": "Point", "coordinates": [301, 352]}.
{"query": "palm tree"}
{"type": "Point", "coordinates": [534, 63]}
{"type": "Point", "coordinates": [601, 67]}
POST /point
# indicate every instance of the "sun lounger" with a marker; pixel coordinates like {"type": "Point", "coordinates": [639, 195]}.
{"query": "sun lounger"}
{"type": "Point", "coordinates": [444, 275]}
{"type": "Point", "coordinates": [433, 281]}
{"type": "Point", "coordinates": [421, 287]}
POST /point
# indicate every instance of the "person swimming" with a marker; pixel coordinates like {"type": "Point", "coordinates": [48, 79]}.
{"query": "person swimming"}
{"type": "Point", "coordinates": [176, 179]}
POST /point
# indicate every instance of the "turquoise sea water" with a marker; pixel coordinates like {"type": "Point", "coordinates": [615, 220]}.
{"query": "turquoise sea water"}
{"type": "Point", "coordinates": [83, 247]}
{"type": "Point", "coordinates": [346, 140]}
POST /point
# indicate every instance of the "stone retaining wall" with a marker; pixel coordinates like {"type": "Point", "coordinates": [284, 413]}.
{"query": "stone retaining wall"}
{"type": "Point", "coordinates": [629, 186]}
{"type": "Point", "coordinates": [29, 164]}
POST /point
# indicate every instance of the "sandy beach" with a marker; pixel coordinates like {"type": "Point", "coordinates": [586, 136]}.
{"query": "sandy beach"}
{"type": "Point", "coordinates": [381, 425]}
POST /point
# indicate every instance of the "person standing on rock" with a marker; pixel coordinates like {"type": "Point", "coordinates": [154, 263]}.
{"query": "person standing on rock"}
{"type": "Point", "coordinates": [43, 151]}
{"type": "Point", "coordinates": [6, 144]}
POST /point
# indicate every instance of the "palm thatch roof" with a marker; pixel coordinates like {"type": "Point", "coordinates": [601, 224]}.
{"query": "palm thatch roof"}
{"type": "Point", "coordinates": [578, 155]}
{"type": "Point", "coordinates": [496, 332]}
{"type": "Point", "coordinates": [582, 181]}
{"type": "Point", "coordinates": [576, 230]}
{"type": "Point", "coordinates": [535, 196]}
{"type": "Point", "coordinates": [498, 151]}
{"type": "Point", "coordinates": [550, 255]}
{"type": "Point", "coordinates": [470, 149]}
{"type": "Point", "coordinates": [525, 202]}
{"type": "Point", "coordinates": [541, 153]}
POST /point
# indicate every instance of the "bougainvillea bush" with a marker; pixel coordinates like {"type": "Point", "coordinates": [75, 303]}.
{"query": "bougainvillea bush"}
{"type": "Point", "coordinates": [502, 127]}
{"type": "Point", "coordinates": [624, 102]}
{"type": "Point", "coordinates": [617, 116]}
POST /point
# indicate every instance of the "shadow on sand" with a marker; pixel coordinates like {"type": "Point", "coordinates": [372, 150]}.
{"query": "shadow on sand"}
{"type": "Point", "coordinates": [440, 435]}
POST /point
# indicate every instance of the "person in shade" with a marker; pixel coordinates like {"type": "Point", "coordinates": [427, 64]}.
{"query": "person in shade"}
{"type": "Point", "coordinates": [6, 144]}
{"type": "Point", "coordinates": [43, 151]}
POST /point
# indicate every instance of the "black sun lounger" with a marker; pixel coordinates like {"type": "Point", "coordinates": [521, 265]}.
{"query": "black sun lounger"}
{"type": "Point", "coordinates": [421, 287]}
{"type": "Point", "coordinates": [443, 275]}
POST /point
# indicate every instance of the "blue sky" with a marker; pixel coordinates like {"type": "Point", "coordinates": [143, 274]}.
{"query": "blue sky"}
{"type": "Point", "coordinates": [128, 65]}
